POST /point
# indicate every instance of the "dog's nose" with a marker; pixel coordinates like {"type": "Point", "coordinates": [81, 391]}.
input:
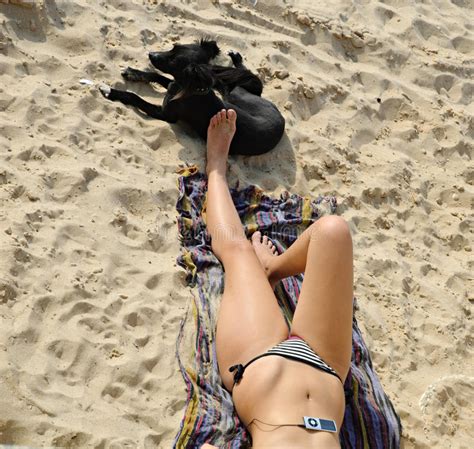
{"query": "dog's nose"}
{"type": "Point", "coordinates": [152, 55]}
{"type": "Point", "coordinates": [158, 60]}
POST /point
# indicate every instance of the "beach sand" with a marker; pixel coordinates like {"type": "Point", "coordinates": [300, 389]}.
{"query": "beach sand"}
{"type": "Point", "coordinates": [377, 98]}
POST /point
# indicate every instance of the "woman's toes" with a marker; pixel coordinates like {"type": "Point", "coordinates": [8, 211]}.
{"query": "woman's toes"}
{"type": "Point", "coordinates": [265, 240]}
{"type": "Point", "coordinates": [257, 237]}
{"type": "Point", "coordinates": [213, 121]}
{"type": "Point", "coordinates": [231, 114]}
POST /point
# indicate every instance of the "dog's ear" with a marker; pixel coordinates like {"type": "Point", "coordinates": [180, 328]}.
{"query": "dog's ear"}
{"type": "Point", "coordinates": [197, 76]}
{"type": "Point", "coordinates": [210, 47]}
{"type": "Point", "coordinates": [195, 79]}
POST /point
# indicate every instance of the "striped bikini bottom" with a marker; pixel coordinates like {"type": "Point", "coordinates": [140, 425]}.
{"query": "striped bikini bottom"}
{"type": "Point", "coordinates": [294, 348]}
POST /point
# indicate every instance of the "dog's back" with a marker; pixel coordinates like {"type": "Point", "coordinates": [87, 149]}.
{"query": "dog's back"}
{"type": "Point", "coordinates": [260, 125]}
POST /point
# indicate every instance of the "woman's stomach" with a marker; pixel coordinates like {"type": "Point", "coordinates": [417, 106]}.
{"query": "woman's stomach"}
{"type": "Point", "coordinates": [275, 391]}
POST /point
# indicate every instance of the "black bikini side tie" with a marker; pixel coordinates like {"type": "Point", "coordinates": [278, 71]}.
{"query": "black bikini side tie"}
{"type": "Point", "coordinates": [239, 372]}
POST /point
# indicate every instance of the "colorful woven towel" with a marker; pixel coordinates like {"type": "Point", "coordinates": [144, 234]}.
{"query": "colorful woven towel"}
{"type": "Point", "coordinates": [370, 421]}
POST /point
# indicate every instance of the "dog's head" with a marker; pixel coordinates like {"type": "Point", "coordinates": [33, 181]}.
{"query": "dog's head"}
{"type": "Point", "coordinates": [179, 57]}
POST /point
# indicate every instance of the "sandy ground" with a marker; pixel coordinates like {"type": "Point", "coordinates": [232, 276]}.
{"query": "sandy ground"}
{"type": "Point", "coordinates": [378, 102]}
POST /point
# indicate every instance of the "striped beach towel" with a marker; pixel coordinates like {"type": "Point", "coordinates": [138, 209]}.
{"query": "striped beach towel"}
{"type": "Point", "coordinates": [370, 421]}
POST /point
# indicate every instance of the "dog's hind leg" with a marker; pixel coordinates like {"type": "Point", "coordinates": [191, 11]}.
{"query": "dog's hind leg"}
{"type": "Point", "coordinates": [131, 99]}
{"type": "Point", "coordinates": [238, 77]}
{"type": "Point", "coordinates": [247, 80]}
{"type": "Point", "coordinates": [131, 74]}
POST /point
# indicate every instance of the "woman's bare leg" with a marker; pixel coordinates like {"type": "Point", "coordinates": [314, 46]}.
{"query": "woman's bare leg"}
{"type": "Point", "coordinates": [289, 263]}
{"type": "Point", "coordinates": [323, 316]}
{"type": "Point", "coordinates": [249, 320]}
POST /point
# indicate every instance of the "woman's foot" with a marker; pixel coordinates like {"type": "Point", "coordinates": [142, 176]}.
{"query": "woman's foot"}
{"type": "Point", "coordinates": [220, 132]}
{"type": "Point", "coordinates": [267, 255]}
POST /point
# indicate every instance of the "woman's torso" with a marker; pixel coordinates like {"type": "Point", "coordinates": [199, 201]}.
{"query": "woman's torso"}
{"type": "Point", "coordinates": [278, 391]}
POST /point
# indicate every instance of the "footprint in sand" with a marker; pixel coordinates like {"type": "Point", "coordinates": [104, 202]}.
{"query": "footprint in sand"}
{"type": "Point", "coordinates": [135, 201]}
{"type": "Point", "coordinates": [63, 185]}
{"type": "Point", "coordinates": [463, 44]}
{"type": "Point", "coordinates": [444, 81]}
{"type": "Point", "coordinates": [446, 410]}
{"type": "Point", "coordinates": [377, 196]}
{"type": "Point", "coordinates": [427, 29]}
{"type": "Point", "coordinates": [8, 292]}
{"type": "Point", "coordinates": [73, 440]}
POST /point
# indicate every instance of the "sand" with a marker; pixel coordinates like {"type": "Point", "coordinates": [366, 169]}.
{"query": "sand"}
{"type": "Point", "coordinates": [378, 102]}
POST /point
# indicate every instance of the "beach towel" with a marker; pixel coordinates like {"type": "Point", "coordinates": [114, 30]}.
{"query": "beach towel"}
{"type": "Point", "coordinates": [370, 421]}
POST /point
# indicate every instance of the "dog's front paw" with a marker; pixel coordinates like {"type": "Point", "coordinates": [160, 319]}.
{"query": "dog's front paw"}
{"type": "Point", "coordinates": [236, 57]}
{"type": "Point", "coordinates": [105, 90]}
{"type": "Point", "coordinates": [131, 74]}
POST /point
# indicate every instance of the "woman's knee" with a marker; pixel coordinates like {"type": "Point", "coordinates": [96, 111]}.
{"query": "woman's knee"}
{"type": "Point", "coordinates": [230, 246]}
{"type": "Point", "coordinates": [334, 228]}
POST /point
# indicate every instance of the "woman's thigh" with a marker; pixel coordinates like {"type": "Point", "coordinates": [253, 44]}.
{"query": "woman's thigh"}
{"type": "Point", "coordinates": [323, 316]}
{"type": "Point", "coordinates": [249, 320]}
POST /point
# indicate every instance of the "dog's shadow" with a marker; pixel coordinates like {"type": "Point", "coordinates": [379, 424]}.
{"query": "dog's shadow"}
{"type": "Point", "coordinates": [275, 170]}
{"type": "Point", "coordinates": [31, 21]}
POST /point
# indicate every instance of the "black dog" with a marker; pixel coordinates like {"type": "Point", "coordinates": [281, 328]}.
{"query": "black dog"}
{"type": "Point", "coordinates": [191, 97]}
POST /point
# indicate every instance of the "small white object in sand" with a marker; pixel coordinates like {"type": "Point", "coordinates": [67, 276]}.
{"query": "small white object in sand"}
{"type": "Point", "coordinates": [86, 81]}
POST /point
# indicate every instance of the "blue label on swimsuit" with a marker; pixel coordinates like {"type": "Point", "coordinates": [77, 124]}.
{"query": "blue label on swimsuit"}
{"type": "Point", "coordinates": [326, 425]}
